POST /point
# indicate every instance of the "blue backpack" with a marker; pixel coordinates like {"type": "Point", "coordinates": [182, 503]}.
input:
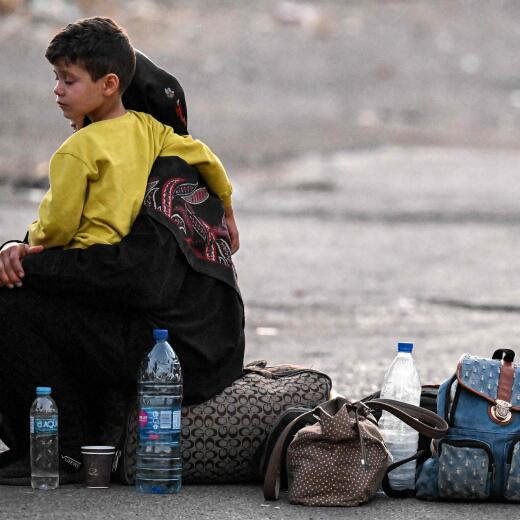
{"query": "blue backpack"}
{"type": "Point", "coordinates": [479, 458]}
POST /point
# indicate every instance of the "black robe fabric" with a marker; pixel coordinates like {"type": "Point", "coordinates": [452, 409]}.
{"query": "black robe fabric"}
{"type": "Point", "coordinates": [157, 92]}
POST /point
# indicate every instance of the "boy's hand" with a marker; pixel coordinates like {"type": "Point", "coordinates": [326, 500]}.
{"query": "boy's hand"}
{"type": "Point", "coordinates": [232, 229]}
{"type": "Point", "coordinates": [11, 271]}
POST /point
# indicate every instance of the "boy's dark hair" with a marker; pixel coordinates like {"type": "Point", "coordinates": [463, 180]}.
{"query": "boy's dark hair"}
{"type": "Point", "coordinates": [98, 44]}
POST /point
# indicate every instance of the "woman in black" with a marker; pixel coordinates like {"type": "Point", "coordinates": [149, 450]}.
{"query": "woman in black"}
{"type": "Point", "coordinates": [83, 319]}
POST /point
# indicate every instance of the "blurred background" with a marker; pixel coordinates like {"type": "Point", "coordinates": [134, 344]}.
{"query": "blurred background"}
{"type": "Point", "coordinates": [268, 79]}
{"type": "Point", "coordinates": [373, 146]}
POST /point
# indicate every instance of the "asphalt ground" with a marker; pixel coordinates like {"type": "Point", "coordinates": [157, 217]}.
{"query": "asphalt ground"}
{"type": "Point", "coordinates": [215, 502]}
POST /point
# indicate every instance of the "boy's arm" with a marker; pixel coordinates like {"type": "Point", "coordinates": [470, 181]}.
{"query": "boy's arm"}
{"type": "Point", "coordinates": [60, 210]}
{"type": "Point", "coordinates": [197, 154]}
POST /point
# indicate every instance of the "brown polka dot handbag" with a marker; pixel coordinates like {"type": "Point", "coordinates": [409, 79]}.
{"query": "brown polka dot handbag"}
{"type": "Point", "coordinates": [341, 459]}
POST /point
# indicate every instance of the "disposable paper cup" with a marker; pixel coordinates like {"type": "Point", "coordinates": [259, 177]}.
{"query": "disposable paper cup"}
{"type": "Point", "coordinates": [97, 462]}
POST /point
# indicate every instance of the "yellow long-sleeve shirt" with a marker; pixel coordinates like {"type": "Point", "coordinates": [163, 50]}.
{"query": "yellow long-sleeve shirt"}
{"type": "Point", "coordinates": [98, 179]}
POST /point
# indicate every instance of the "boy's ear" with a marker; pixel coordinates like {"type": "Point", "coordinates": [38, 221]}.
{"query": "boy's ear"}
{"type": "Point", "coordinates": [110, 84]}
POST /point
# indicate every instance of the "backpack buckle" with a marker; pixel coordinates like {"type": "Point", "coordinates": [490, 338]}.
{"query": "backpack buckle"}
{"type": "Point", "coordinates": [501, 411]}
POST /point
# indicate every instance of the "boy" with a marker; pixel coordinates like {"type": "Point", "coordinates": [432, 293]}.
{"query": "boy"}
{"type": "Point", "coordinates": [98, 176]}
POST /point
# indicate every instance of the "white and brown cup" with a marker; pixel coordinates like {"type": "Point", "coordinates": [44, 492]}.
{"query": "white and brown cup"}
{"type": "Point", "coordinates": [97, 465]}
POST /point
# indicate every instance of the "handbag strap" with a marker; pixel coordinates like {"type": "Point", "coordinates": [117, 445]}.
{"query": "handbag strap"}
{"type": "Point", "coordinates": [272, 473]}
{"type": "Point", "coordinates": [424, 421]}
{"type": "Point", "coordinates": [278, 427]}
{"type": "Point", "coordinates": [403, 493]}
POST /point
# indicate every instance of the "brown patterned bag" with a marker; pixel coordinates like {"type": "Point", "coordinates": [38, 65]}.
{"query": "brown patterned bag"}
{"type": "Point", "coordinates": [222, 439]}
{"type": "Point", "coordinates": [341, 459]}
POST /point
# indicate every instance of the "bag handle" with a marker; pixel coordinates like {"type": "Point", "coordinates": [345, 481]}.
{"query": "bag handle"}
{"type": "Point", "coordinates": [272, 473]}
{"type": "Point", "coordinates": [424, 421]}
{"type": "Point", "coordinates": [404, 493]}
{"type": "Point", "coordinates": [504, 353]}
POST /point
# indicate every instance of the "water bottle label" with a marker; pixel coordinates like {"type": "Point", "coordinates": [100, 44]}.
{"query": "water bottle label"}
{"type": "Point", "coordinates": [153, 421]}
{"type": "Point", "coordinates": [48, 425]}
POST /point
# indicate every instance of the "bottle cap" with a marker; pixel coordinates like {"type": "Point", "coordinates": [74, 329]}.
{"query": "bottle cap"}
{"type": "Point", "coordinates": [160, 334]}
{"type": "Point", "coordinates": [43, 390]}
{"type": "Point", "coordinates": [404, 347]}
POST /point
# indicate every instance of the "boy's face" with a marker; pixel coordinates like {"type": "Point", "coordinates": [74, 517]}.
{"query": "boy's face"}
{"type": "Point", "coordinates": [76, 94]}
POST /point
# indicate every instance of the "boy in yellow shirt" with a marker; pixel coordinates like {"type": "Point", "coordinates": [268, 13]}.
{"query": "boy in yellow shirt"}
{"type": "Point", "coordinates": [98, 176]}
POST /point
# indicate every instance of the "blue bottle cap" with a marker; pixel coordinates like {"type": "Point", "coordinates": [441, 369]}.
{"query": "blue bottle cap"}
{"type": "Point", "coordinates": [404, 347]}
{"type": "Point", "coordinates": [43, 390]}
{"type": "Point", "coordinates": [160, 334]}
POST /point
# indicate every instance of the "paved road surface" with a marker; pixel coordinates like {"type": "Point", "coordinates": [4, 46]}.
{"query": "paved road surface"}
{"type": "Point", "coordinates": [219, 502]}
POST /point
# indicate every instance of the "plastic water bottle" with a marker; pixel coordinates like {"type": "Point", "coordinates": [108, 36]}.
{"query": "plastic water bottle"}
{"type": "Point", "coordinates": [159, 464]}
{"type": "Point", "coordinates": [44, 441]}
{"type": "Point", "coordinates": [401, 383]}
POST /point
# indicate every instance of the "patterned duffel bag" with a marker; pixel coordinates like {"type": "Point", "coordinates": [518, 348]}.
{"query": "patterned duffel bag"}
{"type": "Point", "coordinates": [222, 439]}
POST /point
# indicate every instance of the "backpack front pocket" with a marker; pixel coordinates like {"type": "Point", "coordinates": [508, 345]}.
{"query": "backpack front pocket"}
{"type": "Point", "coordinates": [465, 470]}
{"type": "Point", "coordinates": [512, 487]}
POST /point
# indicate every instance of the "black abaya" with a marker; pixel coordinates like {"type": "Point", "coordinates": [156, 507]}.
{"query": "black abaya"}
{"type": "Point", "coordinates": [83, 320]}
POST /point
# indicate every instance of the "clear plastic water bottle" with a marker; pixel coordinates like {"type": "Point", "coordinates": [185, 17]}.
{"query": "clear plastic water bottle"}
{"type": "Point", "coordinates": [44, 441]}
{"type": "Point", "coordinates": [159, 464]}
{"type": "Point", "coordinates": [401, 382]}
